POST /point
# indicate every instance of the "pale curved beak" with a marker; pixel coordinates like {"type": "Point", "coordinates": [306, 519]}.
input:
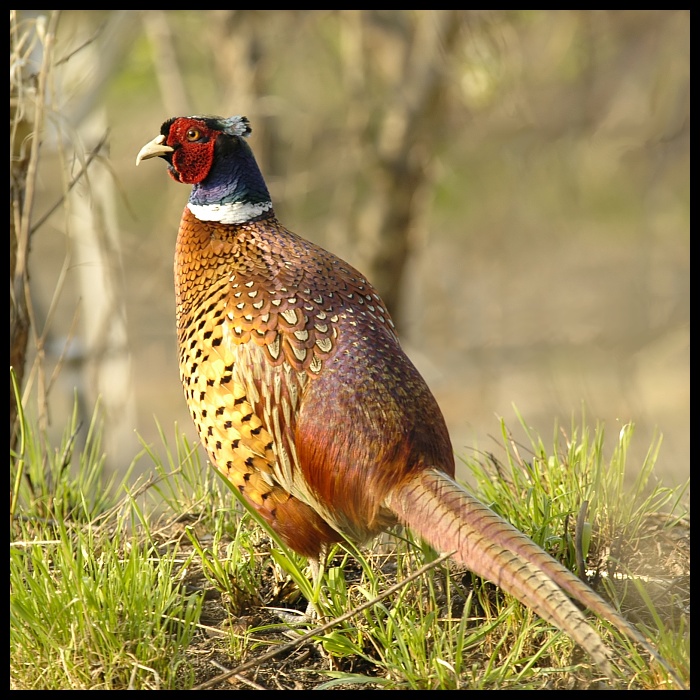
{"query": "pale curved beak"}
{"type": "Point", "coordinates": [154, 149]}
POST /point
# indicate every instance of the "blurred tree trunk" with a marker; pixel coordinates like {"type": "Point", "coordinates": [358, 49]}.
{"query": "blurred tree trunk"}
{"type": "Point", "coordinates": [95, 244]}
{"type": "Point", "coordinates": [173, 90]}
{"type": "Point", "coordinates": [409, 54]}
{"type": "Point", "coordinates": [244, 69]}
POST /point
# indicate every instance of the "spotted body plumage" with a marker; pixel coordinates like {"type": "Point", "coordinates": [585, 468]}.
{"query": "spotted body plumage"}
{"type": "Point", "coordinates": [304, 399]}
{"type": "Point", "coordinates": [261, 315]}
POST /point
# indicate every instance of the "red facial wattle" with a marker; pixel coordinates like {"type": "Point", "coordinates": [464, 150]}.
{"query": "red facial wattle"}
{"type": "Point", "coordinates": [194, 145]}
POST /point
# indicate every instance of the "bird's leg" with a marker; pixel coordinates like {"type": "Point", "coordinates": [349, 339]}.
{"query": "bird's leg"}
{"type": "Point", "coordinates": [313, 612]}
{"type": "Point", "coordinates": [318, 566]}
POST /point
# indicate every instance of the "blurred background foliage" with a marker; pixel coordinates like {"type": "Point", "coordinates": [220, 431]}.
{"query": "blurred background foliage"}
{"type": "Point", "coordinates": [515, 183]}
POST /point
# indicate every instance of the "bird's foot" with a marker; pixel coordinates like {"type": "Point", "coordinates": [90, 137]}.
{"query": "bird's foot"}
{"type": "Point", "coordinates": [298, 622]}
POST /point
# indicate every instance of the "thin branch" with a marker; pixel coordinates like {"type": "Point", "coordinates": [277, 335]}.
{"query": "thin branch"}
{"type": "Point", "coordinates": [86, 43]}
{"type": "Point", "coordinates": [93, 154]}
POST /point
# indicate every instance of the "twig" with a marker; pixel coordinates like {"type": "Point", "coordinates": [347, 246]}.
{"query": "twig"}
{"type": "Point", "coordinates": [239, 677]}
{"type": "Point", "coordinates": [93, 154]}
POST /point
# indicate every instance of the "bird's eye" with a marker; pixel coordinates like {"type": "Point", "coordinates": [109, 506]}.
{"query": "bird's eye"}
{"type": "Point", "coordinates": [193, 134]}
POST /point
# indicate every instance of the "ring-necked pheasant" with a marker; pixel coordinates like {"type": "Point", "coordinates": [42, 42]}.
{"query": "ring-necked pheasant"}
{"type": "Point", "coordinates": [304, 399]}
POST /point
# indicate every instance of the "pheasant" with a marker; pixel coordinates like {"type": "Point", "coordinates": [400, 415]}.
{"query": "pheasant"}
{"type": "Point", "coordinates": [304, 399]}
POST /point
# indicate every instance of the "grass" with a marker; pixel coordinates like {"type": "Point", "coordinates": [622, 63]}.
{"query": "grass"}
{"type": "Point", "coordinates": [170, 583]}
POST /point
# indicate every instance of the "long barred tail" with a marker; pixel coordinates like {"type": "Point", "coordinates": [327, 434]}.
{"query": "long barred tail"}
{"type": "Point", "coordinates": [444, 514]}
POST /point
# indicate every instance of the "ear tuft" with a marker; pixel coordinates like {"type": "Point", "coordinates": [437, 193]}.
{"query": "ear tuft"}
{"type": "Point", "coordinates": [236, 126]}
